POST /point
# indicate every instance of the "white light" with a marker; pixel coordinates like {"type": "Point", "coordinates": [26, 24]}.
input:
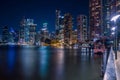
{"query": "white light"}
{"type": "Point", "coordinates": [113, 33]}
{"type": "Point", "coordinates": [62, 17]}
{"type": "Point", "coordinates": [114, 18]}
{"type": "Point", "coordinates": [113, 28]}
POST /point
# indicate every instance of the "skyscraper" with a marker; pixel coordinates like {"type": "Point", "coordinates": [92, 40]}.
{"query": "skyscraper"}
{"type": "Point", "coordinates": [5, 34]}
{"type": "Point", "coordinates": [0, 38]}
{"type": "Point", "coordinates": [118, 6]}
{"type": "Point", "coordinates": [74, 36]}
{"type": "Point", "coordinates": [37, 38]}
{"type": "Point", "coordinates": [44, 32]}
{"type": "Point", "coordinates": [95, 18]}
{"type": "Point", "coordinates": [115, 10]}
{"type": "Point", "coordinates": [27, 31]}
{"type": "Point", "coordinates": [82, 29]}
{"type": "Point", "coordinates": [59, 25]}
{"type": "Point", "coordinates": [32, 31]}
{"type": "Point", "coordinates": [22, 31]}
{"type": "Point", "coordinates": [68, 24]}
{"type": "Point", "coordinates": [106, 17]}
{"type": "Point", "coordinates": [11, 35]}
{"type": "Point", "coordinates": [57, 20]}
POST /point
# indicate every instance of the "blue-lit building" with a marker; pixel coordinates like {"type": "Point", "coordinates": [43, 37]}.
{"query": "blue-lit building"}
{"type": "Point", "coordinates": [68, 25]}
{"type": "Point", "coordinates": [16, 36]}
{"type": "Point", "coordinates": [59, 26]}
{"type": "Point", "coordinates": [0, 38]}
{"type": "Point", "coordinates": [106, 17]}
{"type": "Point", "coordinates": [27, 31]}
{"type": "Point", "coordinates": [11, 35]}
{"type": "Point", "coordinates": [95, 18]}
{"type": "Point", "coordinates": [37, 38]}
{"type": "Point", "coordinates": [114, 9]}
{"type": "Point", "coordinates": [5, 34]}
{"type": "Point", "coordinates": [22, 32]}
{"type": "Point", "coordinates": [44, 33]}
{"type": "Point", "coordinates": [82, 28]}
{"type": "Point", "coordinates": [52, 36]}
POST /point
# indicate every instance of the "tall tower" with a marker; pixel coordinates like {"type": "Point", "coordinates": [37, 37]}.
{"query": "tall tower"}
{"type": "Point", "coordinates": [114, 10]}
{"type": "Point", "coordinates": [32, 31]}
{"type": "Point", "coordinates": [5, 34]}
{"type": "Point", "coordinates": [106, 17]}
{"type": "Point", "coordinates": [57, 25]}
{"type": "Point", "coordinates": [27, 31]}
{"type": "Point", "coordinates": [44, 32]}
{"type": "Point", "coordinates": [118, 6]}
{"type": "Point", "coordinates": [21, 31]}
{"type": "Point", "coordinates": [68, 24]}
{"type": "Point", "coordinates": [95, 18]}
{"type": "Point", "coordinates": [11, 35]}
{"type": "Point", "coordinates": [113, 7]}
{"type": "Point", "coordinates": [82, 30]}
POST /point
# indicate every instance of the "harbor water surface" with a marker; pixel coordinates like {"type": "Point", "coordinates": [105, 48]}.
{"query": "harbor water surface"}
{"type": "Point", "coordinates": [46, 63]}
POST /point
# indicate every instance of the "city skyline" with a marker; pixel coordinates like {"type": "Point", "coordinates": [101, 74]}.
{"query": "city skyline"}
{"type": "Point", "coordinates": [59, 39]}
{"type": "Point", "coordinates": [41, 11]}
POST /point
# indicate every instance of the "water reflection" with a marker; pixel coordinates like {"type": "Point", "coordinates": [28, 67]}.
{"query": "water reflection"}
{"type": "Point", "coordinates": [27, 62]}
{"type": "Point", "coordinates": [43, 62]}
{"type": "Point", "coordinates": [11, 58]}
{"type": "Point", "coordinates": [59, 64]}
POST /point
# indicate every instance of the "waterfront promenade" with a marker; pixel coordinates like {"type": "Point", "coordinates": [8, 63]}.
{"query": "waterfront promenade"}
{"type": "Point", "coordinates": [117, 65]}
{"type": "Point", "coordinates": [112, 71]}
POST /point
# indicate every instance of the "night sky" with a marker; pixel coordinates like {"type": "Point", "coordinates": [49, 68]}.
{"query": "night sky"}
{"type": "Point", "coordinates": [12, 11]}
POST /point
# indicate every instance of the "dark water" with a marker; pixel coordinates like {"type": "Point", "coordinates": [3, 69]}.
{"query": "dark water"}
{"type": "Point", "coordinates": [40, 63]}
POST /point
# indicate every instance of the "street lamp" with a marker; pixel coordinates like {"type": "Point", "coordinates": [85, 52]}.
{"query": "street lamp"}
{"type": "Point", "coordinates": [114, 19]}
{"type": "Point", "coordinates": [113, 28]}
{"type": "Point", "coordinates": [113, 33]}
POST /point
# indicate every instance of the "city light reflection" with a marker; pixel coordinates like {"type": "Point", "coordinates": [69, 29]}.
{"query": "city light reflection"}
{"type": "Point", "coordinates": [11, 58]}
{"type": "Point", "coordinates": [28, 60]}
{"type": "Point", "coordinates": [43, 62]}
{"type": "Point", "coordinates": [59, 66]}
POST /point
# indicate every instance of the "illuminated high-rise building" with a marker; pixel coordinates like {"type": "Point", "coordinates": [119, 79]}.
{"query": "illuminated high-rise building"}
{"type": "Point", "coordinates": [37, 38]}
{"type": "Point", "coordinates": [74, 36]}
{"type": "Point", "coordinates": [22, 31]}
{"type": "Point", "coordinates": [44, 32]}
{"type": "Point", "coordinates": [106, 17]}
{"type": "Point", "coordinates": [115, 10]}
{"type": "Point", "coordinates": [61, 29]}
{"type": "Point", "coordinates": [52, 36]}
{"type": "Point", "coordinates": [113, 7]}
{"type": "Point", "coordinates": [5, 34]}
{"type": "Point", "coordinates": [12, 34]}
{"type": "Point", "coordinates": [0, 38]}
{"type": "Point", "coordinates": [68, 24]}
{"type": "Point", "coordinates": [0, 34]}
{"type": "Point", "coordinates": [32, 32]}
{"type": "Point", "coordinates": [59, 26]}
{"type": "Point", "coordinates": [96, 27]}
{"type": "Point", "coordinates": [118, 6]}
{"type": "Point", "coordinates": [27, 31]}
{"type": "Point", "coordinates": [82, 29]}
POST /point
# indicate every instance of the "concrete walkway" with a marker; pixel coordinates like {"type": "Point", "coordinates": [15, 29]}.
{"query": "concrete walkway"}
{"type": "Point", "coordinates": [110, 73]}
{"type": "Point", "coordinates": [113, 67]}
{"type": "Point", "coordinates": [117, 65]}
